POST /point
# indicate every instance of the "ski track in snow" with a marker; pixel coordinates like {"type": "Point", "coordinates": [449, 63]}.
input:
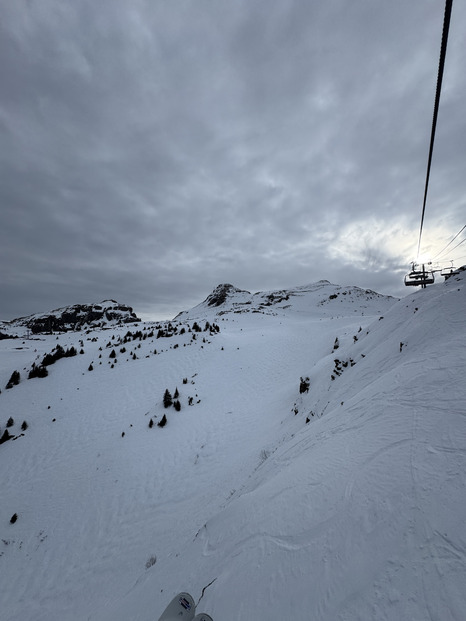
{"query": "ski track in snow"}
{"type": "Point", "coordinates": [359, 514]}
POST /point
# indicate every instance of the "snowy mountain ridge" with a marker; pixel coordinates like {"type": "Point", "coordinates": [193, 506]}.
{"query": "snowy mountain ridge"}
{"type": "Point", "coordinates": [322, 297]}
{"type": "Point", "coordinates": [316, 468]}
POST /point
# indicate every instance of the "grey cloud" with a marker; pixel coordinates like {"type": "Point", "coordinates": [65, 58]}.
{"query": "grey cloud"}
{"type": "Point", "coordinates": [151, 150]}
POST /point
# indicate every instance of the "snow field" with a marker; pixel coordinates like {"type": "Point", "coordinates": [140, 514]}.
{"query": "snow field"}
{"type": "Point", "coordinates": [359, 514]}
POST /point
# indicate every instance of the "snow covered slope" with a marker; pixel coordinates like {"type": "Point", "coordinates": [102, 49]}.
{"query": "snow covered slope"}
{"type": "Point", "coordinates": [346, 501]}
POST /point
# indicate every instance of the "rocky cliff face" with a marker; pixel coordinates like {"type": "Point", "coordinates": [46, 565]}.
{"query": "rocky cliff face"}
{"type": "Point", "coordinates": [78, 317]}
{"type": "Point", "coordinates": [220, 294]}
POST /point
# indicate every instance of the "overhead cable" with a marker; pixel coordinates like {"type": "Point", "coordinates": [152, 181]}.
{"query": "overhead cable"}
{"type": "Point", "coordinates": [450, 242]}
{"type": "Point", "coordinates": [443, 51]}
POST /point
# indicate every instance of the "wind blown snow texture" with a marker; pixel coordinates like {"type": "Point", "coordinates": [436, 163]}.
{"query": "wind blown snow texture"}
{"type": "Point", "coordinates": [359, 513]}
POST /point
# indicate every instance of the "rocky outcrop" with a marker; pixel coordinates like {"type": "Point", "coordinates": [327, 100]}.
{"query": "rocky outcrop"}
{"type": "Point", "coordinates": [220, 294]}
{"type": "Point", "coordinates": [79, 316]}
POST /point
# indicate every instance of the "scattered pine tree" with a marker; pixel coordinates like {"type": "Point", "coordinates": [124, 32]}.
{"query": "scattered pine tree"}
{"type": "Point", "coordinates": [5, 437]}
{"type": "Point", "coordinates": [167, 399]}
{"type": "Point", "coordinates": [38, 371]}
{"type": "Point", "coordinates": [14, 380]}
{"type": "Point", "coordinates": [304, 385]}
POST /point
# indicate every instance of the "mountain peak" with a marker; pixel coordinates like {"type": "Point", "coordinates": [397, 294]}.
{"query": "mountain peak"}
{"type": "Point", "coordinates": [321, 298]}
{"type": "Point", "coordinates": [220, 294]}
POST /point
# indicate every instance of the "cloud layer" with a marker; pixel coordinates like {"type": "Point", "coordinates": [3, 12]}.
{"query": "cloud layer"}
{"type": "Point", "coordinates": [151, 150]}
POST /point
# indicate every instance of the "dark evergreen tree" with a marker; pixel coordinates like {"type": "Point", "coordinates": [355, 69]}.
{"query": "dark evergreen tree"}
{"type": "Point", "coordinates": [177, 405]}
{"type": "Point", "coordinates": [5, 437]}
{"type": "Point", "coordinates": [38, 371]}
{"type": "Point", "coordinates": [14, 379]}
{"type": "Point", "coordinates": [10, 422]}
{"type": "Point", "coordinates": [24, 426]}
{"type": "Point", "coordinates": [167, 399]}
{"type": "Point", "coordinates": [304, 385]}
{"type": "Point", "coordinates": [162, 422]}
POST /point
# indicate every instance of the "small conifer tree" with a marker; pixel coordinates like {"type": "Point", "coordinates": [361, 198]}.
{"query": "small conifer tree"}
{"type": "Point", "coordinates": [14, 379]}
{"type": "Point", "coordinates": [167, 399]}
{"type": "Point", "coordinates": [304, 385]}
{"type": "Point", "coordinates": [5, 437]}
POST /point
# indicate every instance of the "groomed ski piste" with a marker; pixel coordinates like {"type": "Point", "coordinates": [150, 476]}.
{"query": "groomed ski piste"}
{"type": "Point", "coordinates": [344, 501]}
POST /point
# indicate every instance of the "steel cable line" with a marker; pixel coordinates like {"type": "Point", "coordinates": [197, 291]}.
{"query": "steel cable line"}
{"type": "Point", "coordinates": [443, 51]}
{"type": "Point", "coordinates": [461, 242]}
{"type": "Point", "coordinates": [450, 242]}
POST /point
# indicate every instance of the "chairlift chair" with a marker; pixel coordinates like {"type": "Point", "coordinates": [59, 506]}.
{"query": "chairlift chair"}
{"type": "Point", "coordinates": [419, 277]}
{"type": "Point", "coordinates": [449, 271]}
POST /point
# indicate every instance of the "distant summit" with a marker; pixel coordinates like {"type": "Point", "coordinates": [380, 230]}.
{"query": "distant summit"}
{"type": "Point", "coordinates": [78, 317]}
{"type": "Point", "coordinates": [220, 294]}
{"type": "Point", "coordinates": [321, 298]}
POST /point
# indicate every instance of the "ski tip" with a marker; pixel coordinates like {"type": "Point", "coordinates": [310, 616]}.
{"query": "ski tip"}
{"type": "Point", "coordinates": [182, 608]}
{"type": "Point", "coordinates": [186, 601]}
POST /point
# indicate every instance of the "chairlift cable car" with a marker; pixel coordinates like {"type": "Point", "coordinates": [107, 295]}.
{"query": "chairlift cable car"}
{"type": "Point", "coordinates": [419, 276]}
{"type": "Point", "coordinates": [446, 272]}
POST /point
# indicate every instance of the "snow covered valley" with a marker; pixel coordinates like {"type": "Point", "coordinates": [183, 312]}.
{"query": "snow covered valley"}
{"type": "Point", "coordinates": [315, 468]}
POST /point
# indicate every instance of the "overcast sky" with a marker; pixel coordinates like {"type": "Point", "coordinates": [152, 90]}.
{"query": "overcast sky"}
{"type": "Point", "coordinates": [150, 150]}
